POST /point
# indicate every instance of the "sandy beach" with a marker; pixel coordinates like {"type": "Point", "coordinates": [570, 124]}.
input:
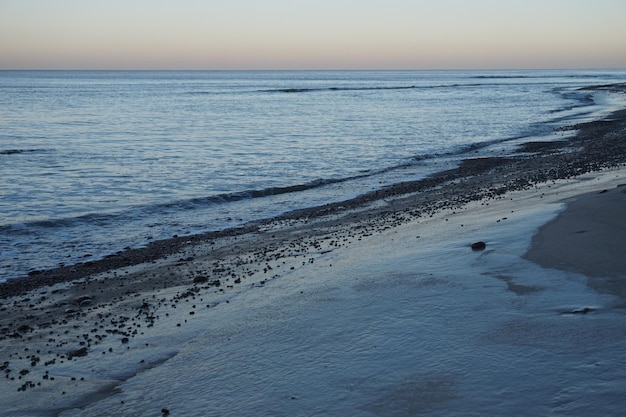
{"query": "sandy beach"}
{"type": "Point", "coordinates": [377, 306]}
{"type": "Point", "coordinates": [589, 237]}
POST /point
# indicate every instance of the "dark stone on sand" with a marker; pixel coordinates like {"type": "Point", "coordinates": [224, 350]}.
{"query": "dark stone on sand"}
{"type": "Point", "coordinates": [583, 310]}
{"type": "Point", "coordinates": [83, 301]}
{"type": "Point", "coordinates": [24, 328]}
{"type": "Point", "coordinates": [78, 353]}
{"type": "Point", "coordinates": [200, 280]}
{"type": "Point", "coordinates": [476, 246]}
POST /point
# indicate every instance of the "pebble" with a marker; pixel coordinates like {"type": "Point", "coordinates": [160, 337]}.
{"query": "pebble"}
{"type": "Point", "coordinates": [476, 246]}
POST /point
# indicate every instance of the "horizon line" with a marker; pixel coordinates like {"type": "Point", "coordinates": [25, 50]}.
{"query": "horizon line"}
{"type": "Point", "coordinates": [318, 70]}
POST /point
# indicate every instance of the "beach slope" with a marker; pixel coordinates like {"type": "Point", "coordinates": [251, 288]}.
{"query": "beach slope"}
{"type": "Point", "coordinates": [371, 307]}
{"type": "Point", "coordinates": [589, 237]}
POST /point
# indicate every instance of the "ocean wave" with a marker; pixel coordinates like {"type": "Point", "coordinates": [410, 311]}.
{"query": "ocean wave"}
{"type": "Point", "coordinates": [131, 213]}
{"type": "Point", "coordinates": [35, 226]}
{"type": "Point", "coordinates": [106, 219]}
{"type": "Point", "coordinates": [252, 194]}
{"type": "Point", "coordinates": [459, 151]}
{"type": "Point", "coordinates": [582, 99]}
{"type": "Point", "coordinates": [17, 151]}
{"type": "Point", "coordinates": [503, 77]}
{"type": "Point", "coordinates": [615, 87]}
{"type": "Point", "coordinates": [520, 76]}
{"type": "Point", "coordinates": [372, 88]}
{"type": "Point", "coordinates": [300, 90]}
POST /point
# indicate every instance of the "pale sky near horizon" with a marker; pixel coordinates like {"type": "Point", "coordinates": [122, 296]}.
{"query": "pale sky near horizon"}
{"type": "Point", "coordinates": [308, 34]}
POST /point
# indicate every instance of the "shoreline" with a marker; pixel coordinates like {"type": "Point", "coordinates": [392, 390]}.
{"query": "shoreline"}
{"type": "Point", "coordinates": [187, 319]}
{"type": "Point", "coordinates": [473, 180]}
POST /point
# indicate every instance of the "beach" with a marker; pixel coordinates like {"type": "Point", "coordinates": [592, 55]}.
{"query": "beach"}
{"type": "Point", "coordinates": [376, 306]}
{"type": "Point", "coordinates": [589, 238]}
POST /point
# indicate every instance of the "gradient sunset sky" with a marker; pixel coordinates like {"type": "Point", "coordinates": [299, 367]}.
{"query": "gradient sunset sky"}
{"type": "Point", "coordinates": [312, 34]}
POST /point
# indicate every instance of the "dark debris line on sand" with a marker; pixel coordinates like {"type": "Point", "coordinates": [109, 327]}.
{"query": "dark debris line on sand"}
{"type": "Point", "coordinates": [600, 144]}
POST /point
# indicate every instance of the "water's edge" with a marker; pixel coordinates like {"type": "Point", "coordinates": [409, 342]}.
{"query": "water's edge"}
{"type": "Point", "coordinates": [474, 179]}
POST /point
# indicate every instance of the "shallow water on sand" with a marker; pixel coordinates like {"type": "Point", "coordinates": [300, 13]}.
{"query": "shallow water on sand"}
{"type": "Point", "coordinates": [398, 325]}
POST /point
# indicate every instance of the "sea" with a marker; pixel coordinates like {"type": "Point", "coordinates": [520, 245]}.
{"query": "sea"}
{"type": "Point", "coordinates": [95, 162]}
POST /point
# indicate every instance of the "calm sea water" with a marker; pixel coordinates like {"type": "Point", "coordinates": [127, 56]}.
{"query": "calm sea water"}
{"type": "Point", "coordinates": [92, 162]}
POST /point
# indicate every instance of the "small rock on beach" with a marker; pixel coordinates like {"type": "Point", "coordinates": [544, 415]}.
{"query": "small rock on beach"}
{"type": "Point", "coordinates": [476, 246]}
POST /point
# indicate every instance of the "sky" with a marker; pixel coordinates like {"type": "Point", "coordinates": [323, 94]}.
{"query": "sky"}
{"type": "Point", "coordinates": [312, 34]}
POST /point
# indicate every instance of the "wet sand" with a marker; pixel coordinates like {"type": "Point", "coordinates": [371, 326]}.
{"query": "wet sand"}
{"type": "Point", "coordinates": [589, 238]}
{"type": "Point", "coordinates": [54, 325]}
